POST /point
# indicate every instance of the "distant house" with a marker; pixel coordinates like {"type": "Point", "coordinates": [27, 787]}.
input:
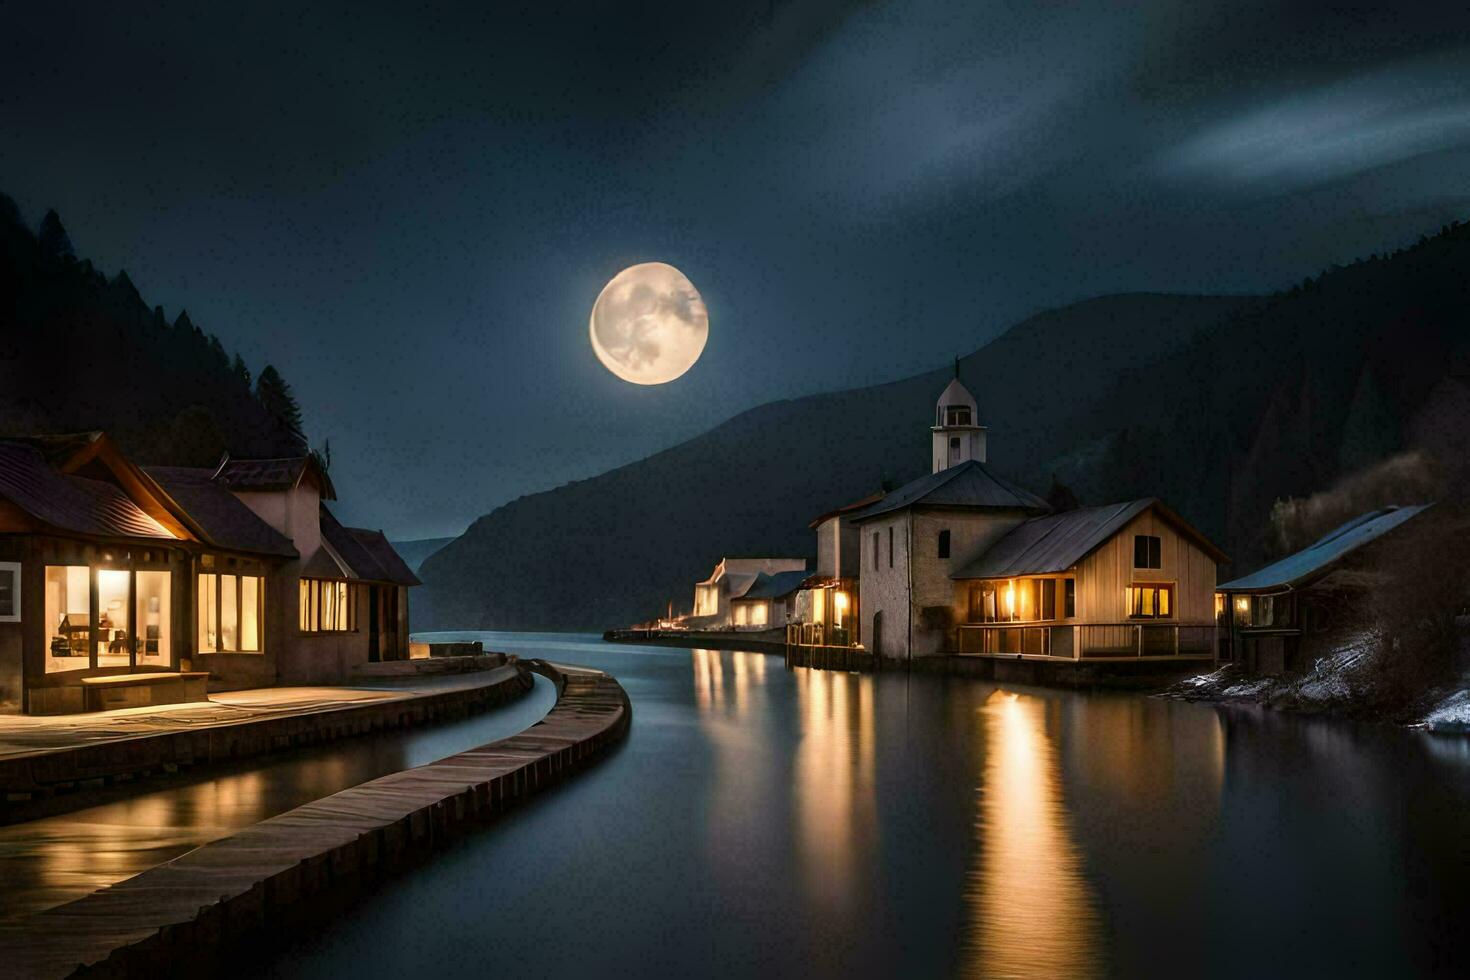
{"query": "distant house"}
{"type": "Point", "coordinates": [964, 561]}
{"type": "Point", "coordinates": [731, 579]}
{"type": "Point", "coordinates": [116, 580]}
{"type": "Point", "coordinates": [1293, 611]}
{"type": "Point", "coordinates": [826, 607]}
{"type": "Point", "coordinates": [769, 602]}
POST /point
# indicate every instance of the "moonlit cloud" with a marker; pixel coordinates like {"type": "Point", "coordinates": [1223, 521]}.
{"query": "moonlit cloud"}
{"type": "Point", "coordinates": [1334, 131]}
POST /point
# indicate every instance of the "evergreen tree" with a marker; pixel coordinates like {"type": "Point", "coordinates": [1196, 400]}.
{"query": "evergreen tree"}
{"type": "Point", "coordinates": [1371, 431]}
{"type": "Point", "coordinates": [275, 396]}
{"type": "Point", "coordinates": [240, 371]}
{"type": "Point", "coordinates": [53, 240]}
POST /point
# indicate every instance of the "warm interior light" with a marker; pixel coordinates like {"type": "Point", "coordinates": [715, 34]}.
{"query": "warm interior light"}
{"type": "Point", "coordinates": [1242, 604]}
{"type": "Point", "coordinates": [1010, 599]}
{"type": "Point", "coordinates": [841, 600]}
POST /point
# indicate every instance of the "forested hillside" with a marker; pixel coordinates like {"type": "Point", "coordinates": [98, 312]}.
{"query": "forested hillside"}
{"type": "Point", "coordinates": [1219, 405]}
{"type": "Point", "coordinates": [79, 350]}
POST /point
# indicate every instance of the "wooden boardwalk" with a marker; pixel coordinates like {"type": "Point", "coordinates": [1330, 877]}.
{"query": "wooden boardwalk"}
{"type": "Point", "coordinates": [161, 920]}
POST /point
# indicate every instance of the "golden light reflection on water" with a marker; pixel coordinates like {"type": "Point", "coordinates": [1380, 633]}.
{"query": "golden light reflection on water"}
{"type": "Point", "coordinates": [833, 783]}
{"type": "Point", "coordinates": [1032, 910]}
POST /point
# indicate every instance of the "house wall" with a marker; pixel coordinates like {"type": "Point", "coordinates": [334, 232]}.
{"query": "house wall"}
{"type": "Point", "coordinates": [296, 513]}
{"type": "Point", "coordinates": [323, 658]}
{"type": "Point", "coordinates": [1103, 575]}
{"type": "Point", "coordinates": [235, 671]}
{"type": "Point", "coordinates": [883, 590]}
{"type": "Point", "coordinates": [12, 635]}
{"type": "Point", "coordinates": [972, 533]}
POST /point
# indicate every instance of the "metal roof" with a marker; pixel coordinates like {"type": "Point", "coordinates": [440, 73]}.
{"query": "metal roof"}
{"type": "Point", "coordinates": [225, 521]}
{"type": "Point", "coordinates": [70, 503]}
{"type": "Point", "coordinates": [777, 586]}
{"type": "Point", "coordinates": [1057, 542]}
{"type": "Point", "coordinates": [1318, 558]}
{"type": "Point", "coordinates": [968, 484]}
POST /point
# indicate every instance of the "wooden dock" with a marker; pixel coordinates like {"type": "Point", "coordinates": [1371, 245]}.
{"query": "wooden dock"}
{"type": "Point", "coordinates": [44, 778]}
{"type": "Point", "coordinates": [179, 913]}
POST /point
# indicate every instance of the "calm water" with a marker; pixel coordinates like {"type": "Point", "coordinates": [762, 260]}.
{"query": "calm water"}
{"type": "Point", "coordinates": [767, 823]}
{"type": "Point", "coordinates": [57, 859]}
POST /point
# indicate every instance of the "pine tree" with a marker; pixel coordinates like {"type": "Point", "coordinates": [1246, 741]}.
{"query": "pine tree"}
{"type": "Point", "coordinates": [275, 396]}
{"type": "Point", "coordinates": [1371, 431]}
{"type": "Point", "coordinates": [53, 240]}
{"type": "Point", "coordinates": [240, 371]}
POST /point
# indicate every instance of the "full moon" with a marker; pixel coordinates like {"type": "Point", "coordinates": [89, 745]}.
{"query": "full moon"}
{"type": "Point", "coordinates": [649, 324]}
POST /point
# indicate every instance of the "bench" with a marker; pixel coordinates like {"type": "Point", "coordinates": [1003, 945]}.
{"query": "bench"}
{"type": "Point", "coordinates": [143, 690]}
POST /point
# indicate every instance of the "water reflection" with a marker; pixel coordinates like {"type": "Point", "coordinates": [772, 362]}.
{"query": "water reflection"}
{"type": "Point", "coordinates": [1033, 911]}
{"type": "Point", "coordinates": [833, 784]}
{"type": "Point", "coordinates": [53, 860]}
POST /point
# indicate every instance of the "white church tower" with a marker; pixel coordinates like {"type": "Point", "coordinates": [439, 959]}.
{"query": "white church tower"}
{"type": "Point", "coordinates": [958, 436]}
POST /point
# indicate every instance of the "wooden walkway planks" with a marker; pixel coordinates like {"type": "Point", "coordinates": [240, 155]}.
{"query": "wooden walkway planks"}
{"type": "Point", "coordinates": [152, 921]}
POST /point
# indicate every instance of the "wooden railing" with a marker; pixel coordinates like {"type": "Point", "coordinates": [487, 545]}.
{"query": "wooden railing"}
{"type": "Point", "coordinates": [1082, 641]}
{"type": "Point", "coordinates": [818, 635]}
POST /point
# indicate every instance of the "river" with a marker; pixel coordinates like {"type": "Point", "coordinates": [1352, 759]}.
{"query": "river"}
{"type": "Point", "coordinates": [761, 822]}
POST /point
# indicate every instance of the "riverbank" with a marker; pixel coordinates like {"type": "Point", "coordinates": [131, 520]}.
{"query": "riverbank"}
{"type": "Point", "coordinates": [1347, 685]}
{"type": "Point", "coordinates": [48, 764]}
{"type": "Point", "coordinates": [187, 910]}
{"type": "Point", "coordinates": [1137, 674]}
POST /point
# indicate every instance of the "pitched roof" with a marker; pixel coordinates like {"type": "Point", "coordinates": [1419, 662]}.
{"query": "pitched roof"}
{"type": "Point", "coordinates": [386, 556]}
{"type": "Point", "coordinates": [219, 514]}
{"type": "Point", "coordinates": [777, 586]}
{"type": "Point", "coordinates": [1318, 558]}
{"type": "Point", "coordinates": [968, 484]}
{"type": "Point", "coordinates": [68, 502]}
{"type": "Point", "coordinates": [272, 474]}
{"type": "Point", "coordinates": [867, 501]}
{"type": "Point", "coordinates": [367, 554]}
{"type": "Point", "coordinates": [1057, 542]}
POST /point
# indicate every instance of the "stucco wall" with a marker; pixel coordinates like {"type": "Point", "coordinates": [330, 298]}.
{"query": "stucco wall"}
{"type": "Point", "coordinates": [972, 533]}
{"type": "Point", "coordinates": [883, 589]}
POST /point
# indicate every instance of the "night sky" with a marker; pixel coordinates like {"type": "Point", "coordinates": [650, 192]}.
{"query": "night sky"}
{"type": "Point", "coordinates": [410, 210]}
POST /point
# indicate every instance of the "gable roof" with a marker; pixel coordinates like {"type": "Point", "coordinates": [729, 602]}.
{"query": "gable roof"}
{"type": "Point", "coordinates": [31, 480]}
{"type": "Point", "coordinates": [283, 473]}
{"type": "Point", "coordinates": [366, 554]}
{"type": "Point", "coordinates": [867, 501]}
{"type": "Point", "coordinates": [1057, 542]}
{"type": "Point", "coordinates": [777, 586]}
{"type": "Point", "coordinates": [386, 556]}
{"type": "Point", "coordinates": [968, 484]}
{"type": "Point", "coordinates": [1318, 558]}
{"type": "Point", "coordinates": [219, 515]}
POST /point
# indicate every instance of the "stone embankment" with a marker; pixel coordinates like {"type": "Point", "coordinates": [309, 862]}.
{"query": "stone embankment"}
{"type": "Point", "coordinates": [183, 912]}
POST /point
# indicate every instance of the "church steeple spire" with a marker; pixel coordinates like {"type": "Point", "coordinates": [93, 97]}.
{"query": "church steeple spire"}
{"type": "Point", "coordinates": [958, 435]}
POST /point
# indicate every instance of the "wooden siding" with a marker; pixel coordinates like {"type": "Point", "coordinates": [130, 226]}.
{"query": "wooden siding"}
{"type": "Point", "coordinates": [1103, 575]}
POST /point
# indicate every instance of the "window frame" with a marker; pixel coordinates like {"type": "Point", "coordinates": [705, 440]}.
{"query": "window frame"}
{"type": "Point", "coordinates": [14, 568]}
{"type": "Point", "coordinates": [219, 575]}
{"type": "Point", "coordinates": [1168, 588]}
{"type": "Point", "coordinates": [1152, 546]}
{"type": "Point", "coordinates": [316, 604]}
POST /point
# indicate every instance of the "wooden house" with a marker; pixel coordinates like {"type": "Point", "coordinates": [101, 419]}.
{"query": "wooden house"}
{"type": "Point", "coordinates": [122, 585]}
{"type": "Point", "coordinates": [1286, 615]}
{"type": "Point", "coordinates": [965, 561]}
{"type": "Point", "coordinates": [1125, 580]}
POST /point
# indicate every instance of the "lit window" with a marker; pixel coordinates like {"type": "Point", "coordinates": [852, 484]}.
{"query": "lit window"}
{"type": "Point", "coordinates": [231, 609]}
{"type": "Point", "coordinates": [1149, 601]}
{"type": "Point", "coordinates": [68, 617]}
{"type": "Point", "coordinates": [328, 606]}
